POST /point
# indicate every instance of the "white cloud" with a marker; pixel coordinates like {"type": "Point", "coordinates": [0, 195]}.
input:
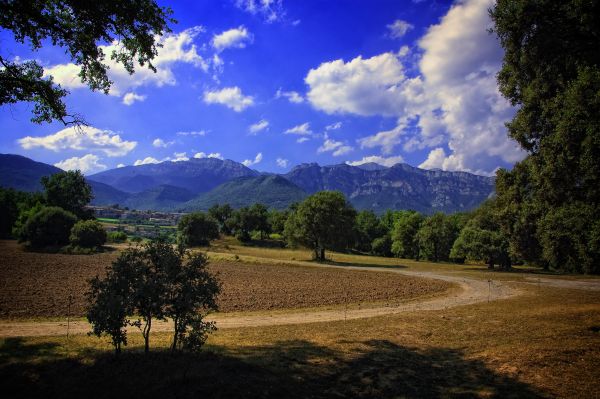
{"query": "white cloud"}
{"type": "Point", "coordinates": [160, 143]}
{"type": "Point", "coordinates": [270, 10]}
{"type": "Point", "coordinates": [303, 129]}
{"type": "Point", "coordinates": [179, 156]}
{"type": "Point", "coordinates": [121, 165]}
{"type": "Point", "coordinates": [200, 155]}
{"type": "Point", "coordinates": [399, 28]}
{"type": "Point", "coordinates": [436, 160]}
{"type": "Point", "coordinates": [145, 161]}
{"type": "Point", "coordinates": [337, 148]}
{"type": "Point", "coordinates": [385, 161]}
{"type": "Point", "coordinates": [459, 64]}
{"type": "Point", "coordinates": [130, 98]}
{"type": "Point", "coordinates": [282, 163]}
{"type": "Point", "coordinates": [386, 139]}
{"type": "Point", "coordinates": [258, 126]}
{"type": "Point", "coordinates": [176, 48]}
{"type": "Point", "coordinates": [232, 38]}
{"type": "Point", "coordinates": [86, 164]}
{"type": "Point", "coordinates": [192, 133]}
{"type": "Point", "coordinates": [373, 86]}
{"type": "Point", "coordinates": [302, 140]}
{"type": "Point", "coordinates": [257, 159]}
{"type": "Point", "coordinates": [231, 97]}
{"type": "Point", "coordinates": [334, 126]}
{"type": "Point", "coordinates": [292, 96]}
{"type": "Point", "coordinates": [85, 138]}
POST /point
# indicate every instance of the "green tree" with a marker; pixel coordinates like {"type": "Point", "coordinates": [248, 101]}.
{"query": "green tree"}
{"type": "Point", "coordinates": [551, 72]}
{"type": "Point", "coordinates": [259, 219]}
{"type": "Point", "coordinates": [324, 220]}
{"type": "Point", "coordinates": [197, 229]}
{"type": "Point", "coordinates": [367, 229]}
{"type": "Point", "coordinates": [221, 213]}
{"type": "Point", "coordinates": [49, 226]}
{"type": "Point", "coordinates": [436, 237]}
{"type": "Point", "coordinates": [70, 191]}
{"type": "Point", "coordinates": [482, 239]}
{"type": "Point", "coordinates": [382, 246]}
{"type": "Point", "coordinates": [109, 299]}
{"type": "Point", "coordinates": [276, 220]}
{"type": "Point", "coordinates": [88, 234]}
{"type": "Point", "coordinates": [9, 210]}
{"type": "Point", "coordinates": [79, 27]}
{"type": "Point", "coordinates": [405, 243]}
{"type": "Point", "coordinates": [191, 293]}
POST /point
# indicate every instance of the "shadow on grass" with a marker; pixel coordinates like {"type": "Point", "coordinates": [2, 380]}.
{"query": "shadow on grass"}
{"type": "Point", "coordinates": [330, 262]}
{"type": "Point", "coordinates": [290, 369]}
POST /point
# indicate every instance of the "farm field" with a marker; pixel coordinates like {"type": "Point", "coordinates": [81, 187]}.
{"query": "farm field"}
{"type": "Point", "coordinates": [39, 285]}
{"type": "Point", "coordinates": [542, 340]}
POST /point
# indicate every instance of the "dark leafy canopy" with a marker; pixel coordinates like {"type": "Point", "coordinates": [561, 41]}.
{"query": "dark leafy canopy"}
{"type": "Point", "coordinates": [197, 229]}
{"type": "Point", "coordinates": [70, 191]}
{"type": "Point", "coordinates": [48, 226]}
{"type": "Point", "coordinates": [88, 234]}
{"type": "Point", "coordinates": [551, 70]}
{"type": "Point", "coordinates": [155, 281]}
{"type": "Point", "coordinates": [368, 228]}
{"type": "Point", "coordinates": [79, 27]}
{"type": "Point", "coordinates": [436, 236]}
{"type": "Point", "coordinates": [324, 220]}
{"type": "Point", "coordinates": [405, 243]}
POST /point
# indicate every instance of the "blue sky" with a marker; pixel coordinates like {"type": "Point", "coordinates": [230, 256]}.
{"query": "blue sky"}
{"type": "Point", "coordinates": [276, 83]}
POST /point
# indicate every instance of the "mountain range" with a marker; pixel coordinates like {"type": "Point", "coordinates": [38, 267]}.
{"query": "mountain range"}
{"type": "Point", "coordinates": [198, 184]}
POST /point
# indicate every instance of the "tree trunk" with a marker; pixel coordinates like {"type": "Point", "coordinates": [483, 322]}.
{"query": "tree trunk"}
{"type": "Point", "coordinates": [146, 335]}
{"type": "Point", "coordinates": [176, 328]}
{"type": "Point", "coordinates": [322, 254]}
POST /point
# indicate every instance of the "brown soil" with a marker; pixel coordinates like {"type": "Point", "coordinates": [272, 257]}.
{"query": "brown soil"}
{"type": "Point", "coordinates": [38, 285]}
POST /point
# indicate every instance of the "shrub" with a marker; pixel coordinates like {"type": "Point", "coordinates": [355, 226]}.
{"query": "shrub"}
{"type": "Point", "coordinates": [50, 226]}
{"type": "Point", "coordinates": [88, 234]}
{"type": "Point", "coordinates": [382, 246]}
{"type": "Point", "coordinates": [116, 236]}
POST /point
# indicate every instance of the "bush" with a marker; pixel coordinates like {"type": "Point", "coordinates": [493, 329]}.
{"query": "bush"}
{"type": "Point", "coordinates": [197, 229]}
{"type": "Point", "coordinates": [50, 226]}
{"type": "Point", "coordinates": [116, 236]}
{"type": "Point", "coordinates": [87, 234]}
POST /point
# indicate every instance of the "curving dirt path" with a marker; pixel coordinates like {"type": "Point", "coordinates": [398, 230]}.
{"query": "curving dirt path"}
{"type": "Point", "coordinates": [469, 291]}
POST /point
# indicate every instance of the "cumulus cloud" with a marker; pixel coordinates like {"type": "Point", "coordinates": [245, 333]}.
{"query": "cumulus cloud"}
{"type": "Point", "coordinates": [130, 98]}
{"type": "Point", "coordinates": [270, 10]}
{"type": "Point", "coordinates": [292, 96]}
{"type": "Point", "coordinates": [146, 161]}
{"type": "Point", "coordinates": [230, 97]}
{"type": "Point", "coordinates": [337, 148]}
{"type": "Point", "coordinates": [257, 159]}
{"type": "Point", "coordinates": [179, 157]}
{"type": "Point", "coordinates": [121, 165]}
{"type": "Point", "coordinates": [85, 138]}
{"type": "Point", "coordinates": [303, 129]}
{"type": "Point", "coordinates": [459, 64]}
{"type": "Point", "coordinates": [373, 86]}
{"type": "Point", "coordinates": [232, 38]}
{"type": "Point", "coordinates": [385, 161]}
{"type": "Point", "coordinates": [258, 126]}
{"type": "Point", "coordinates": [454, 103]}
{"type": "Point", "coordinates": [399, 28]}
{"type": "Point", "coordinates": [200, 155]}
{"type": "Point", "coordinates": [176, 48]}
{"type": "Point", "coordinates": [86, 164]}
{"type": "Point", "coordinates": [302, 140]}
{"type": "Point", "coordinates": [160, 143]}
{"type": "Point", "coordinates": [282, 163]}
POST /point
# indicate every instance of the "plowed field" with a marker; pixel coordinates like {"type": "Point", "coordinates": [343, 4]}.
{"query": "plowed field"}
{"type": "Point", "coordinates": [39, 285]}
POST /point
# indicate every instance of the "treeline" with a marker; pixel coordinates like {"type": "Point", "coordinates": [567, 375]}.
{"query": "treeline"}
{"type": "Point", "coordinates": [327, 221]}
{"type": "Point", "coordinates": [54, 219]}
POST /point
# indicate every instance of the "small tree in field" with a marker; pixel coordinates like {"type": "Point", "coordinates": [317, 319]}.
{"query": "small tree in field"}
{"type": "Point", "coordinates": [49, 226]}
{"type": "Point", "coordinates": [155, 281]}
{"type": "Point", "coordinates": [197, 229]}
{"type": "Point", "coordinates": [88, 234]}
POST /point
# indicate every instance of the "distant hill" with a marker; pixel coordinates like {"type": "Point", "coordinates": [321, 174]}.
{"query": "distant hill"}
{"type": "Point", "coordinates": [272, 190]}
{"type": "Point", "coordinates": [161, 198]}
{"type": "Point", "coordinates": [199, 183]}
{"type": "Point", "coordinates": [398, 187]}
{"type": "Point", "coordinates": [195, 175]}
{"type": "Point", "coordinates": [22, 173]}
